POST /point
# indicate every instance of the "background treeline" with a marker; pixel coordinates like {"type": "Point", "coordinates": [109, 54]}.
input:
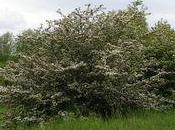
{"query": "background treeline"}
{"type": "Point", "coordinates": [6, 45]}
{"type": "Point", "coordinates": [91, 62]}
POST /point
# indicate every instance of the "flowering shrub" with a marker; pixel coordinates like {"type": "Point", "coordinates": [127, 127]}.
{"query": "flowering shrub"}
{"type": "Point", "coordinates": [88, 62]}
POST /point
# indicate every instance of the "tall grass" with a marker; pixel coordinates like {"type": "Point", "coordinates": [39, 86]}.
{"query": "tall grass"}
{"type": "Point", "coordinates": [136, 121]}
{"type": "Point", "coordinates": [2, 111]}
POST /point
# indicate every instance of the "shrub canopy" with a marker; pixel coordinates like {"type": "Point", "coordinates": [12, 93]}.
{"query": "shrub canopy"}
{"type": "Point", "coordinates": [92, 61]}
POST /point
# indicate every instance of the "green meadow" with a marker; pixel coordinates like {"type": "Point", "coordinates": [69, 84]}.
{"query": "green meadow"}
{"type": "Point", "coordinates": [133, 121]}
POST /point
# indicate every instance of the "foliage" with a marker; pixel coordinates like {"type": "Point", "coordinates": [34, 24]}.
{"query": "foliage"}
{"type": "Point", "coordinates": [88, 62]}
{"type": "Point", "coordinates": [160, 46]}
{"type": "Point", "coordinates": [6, 41]}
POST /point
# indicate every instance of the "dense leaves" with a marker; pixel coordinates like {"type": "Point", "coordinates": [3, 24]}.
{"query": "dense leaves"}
{"type": "Point", "coordinates": [92, 62]}
{"type": "Point", "coordinates": [6, 46]}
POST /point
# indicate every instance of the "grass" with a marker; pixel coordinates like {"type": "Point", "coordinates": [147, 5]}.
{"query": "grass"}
{"type": "Point", "coordinates": [138, 121]}
{"type": "Point", "coordinates": [2, 111]}
{"type": "Point", "coordinates": [134, 121]}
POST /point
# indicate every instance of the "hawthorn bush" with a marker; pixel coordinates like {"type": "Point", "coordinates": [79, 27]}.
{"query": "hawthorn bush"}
{"type": "Point", "coordinates": [88, 62]}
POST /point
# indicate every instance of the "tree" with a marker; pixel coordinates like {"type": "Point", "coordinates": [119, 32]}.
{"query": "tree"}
{"type": "Point", "coordinates": [6, 41]}
{"type": "Point", "coordinates": [160, 46]}
{"type": "Point", "coordinates": [87, 62]}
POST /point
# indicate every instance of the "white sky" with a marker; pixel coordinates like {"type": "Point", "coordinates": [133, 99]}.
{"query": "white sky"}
{"type": "Point", "coordinates": [17, 15]}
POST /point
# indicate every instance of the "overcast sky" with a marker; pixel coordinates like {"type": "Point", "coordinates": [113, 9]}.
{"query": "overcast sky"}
{"type": "Point", "coordinates": [17, 15]}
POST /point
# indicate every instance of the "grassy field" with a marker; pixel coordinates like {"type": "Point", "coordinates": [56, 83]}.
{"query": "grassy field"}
{"type": "Point", "coordinates": [139, 121]}
{"type": "Point", "coordinates": [2, 110]}
{"type": "Point", "coordinates": [134, 121]}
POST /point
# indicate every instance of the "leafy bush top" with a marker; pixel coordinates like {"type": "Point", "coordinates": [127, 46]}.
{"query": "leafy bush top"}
{"type": "Point", "coordinates": [90, 61]}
